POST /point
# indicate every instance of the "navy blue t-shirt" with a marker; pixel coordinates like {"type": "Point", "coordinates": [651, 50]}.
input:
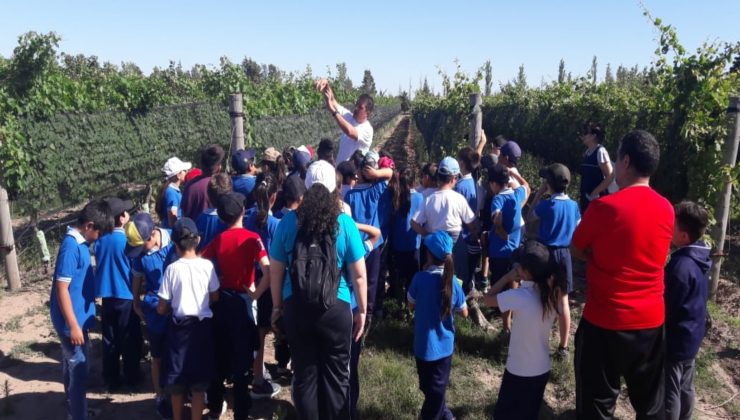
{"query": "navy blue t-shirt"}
{"type": "Point", "coordinates": [209, 226]}
{"type": "Point", "coordinates": [434, 337]}
{"type": "Point", "coordinates": [112, 266]}
{"type": "Point", "coordinates": [403, 237]}
{"type": "Point", "coordinates": [559, 216]}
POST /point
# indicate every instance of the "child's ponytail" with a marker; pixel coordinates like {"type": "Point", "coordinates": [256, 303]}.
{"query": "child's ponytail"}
{"type": "Point", "coordinates": [265, 188]}
{"type": "Point", "coordinates": [447, 279]}
{"type": "Point", "coordinates": [159, 206]}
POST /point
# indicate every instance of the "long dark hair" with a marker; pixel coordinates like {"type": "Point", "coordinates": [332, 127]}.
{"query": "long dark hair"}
{"type": "Point", "coordinates": [277, 168]}
{"type": "Point", "coordinates": [159, 205]}
{"type": "Point", "coordinates": [447, 279]}
{"type": "Point", "coordinates": [471, 159]}
{"type": "Point", "coordinates": [551, 282]}
{"type": "Point", "coordinates": [317, 215]}
{"type": "Point", "coordinates": [400, 186]}
{"type": "Point", "coordinates": [265, 187]}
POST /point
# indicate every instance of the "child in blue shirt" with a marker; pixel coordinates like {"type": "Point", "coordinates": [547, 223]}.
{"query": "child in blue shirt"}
{"type": "Point", "coordinates": [506, 212]}
{"type": "Point", "coordinates": [120, 324]}
{"type": "Point", "coordinates": [242, 162]}
{"type": "Point", "coordinates": [404, 240]}
{"type": "Point", "coordinates": [467, 249]}
{"type": "Point", "coordinates": [168, 205]}
{"type": "Point", "coordinates": [434, 296]}
{"type": "Point", "coordinates": [209, 225]}
{"type": "Point", "coordinates": [72, 302]}
{"type": "Point", "coordinates": [151, 250]}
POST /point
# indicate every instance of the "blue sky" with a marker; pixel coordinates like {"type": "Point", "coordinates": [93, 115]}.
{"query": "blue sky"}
{"type": "Point", "coordinates": [401, 42]}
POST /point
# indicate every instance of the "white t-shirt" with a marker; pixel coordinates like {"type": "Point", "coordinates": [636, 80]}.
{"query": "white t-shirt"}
{"type": "Point", "coordinates": [348, 145]}
{"type": "Point", "coordinates": [529, 350]}
{"type": "Point", "coordinates": [602, 156]}
{"type": "Point", "coordinates": [445, 210]}
{"type": "Point", "coordinates": [426, 192]}
{"type": "Point", "coordinates": [186, 284]}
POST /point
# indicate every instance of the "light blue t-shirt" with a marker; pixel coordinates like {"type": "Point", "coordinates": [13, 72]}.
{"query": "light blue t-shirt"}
{"type": "Point", "coordinates": [509, 203]}
{"type": "Point", "coordinates": [349, 246]}
{"type": "Point", "coordinates": [559, 216]}
{"type": "Point", "coordinates": [172, 198]}
{"type": "Point", "coordinates": [434, 337]}
{"type": "Point", "coordinates": [403, 237]}
{"type": "Point", "coordinates": [209, 226]}
{"type": "Point", "coordinates": [73, 267]}
{"type": "Point", "coordinates": [151, 266]}
{"type": "Point", "coordinates": [112, 266]}
{"type": "Point", "coordinates": [370, 205]}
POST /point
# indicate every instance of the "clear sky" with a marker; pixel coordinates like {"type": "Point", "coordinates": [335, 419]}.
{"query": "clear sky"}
{"type": "Point", "coordinates": [401, 42]}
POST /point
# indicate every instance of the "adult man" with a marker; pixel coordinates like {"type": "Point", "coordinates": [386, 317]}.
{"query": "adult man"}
{"type": "Point", "coordinates": [357, 133]}
{"type": "Point", "coordinates": [624, 238]}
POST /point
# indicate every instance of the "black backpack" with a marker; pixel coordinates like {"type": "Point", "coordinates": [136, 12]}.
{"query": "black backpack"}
{"type": "Point", "coordinates": [314, 274]}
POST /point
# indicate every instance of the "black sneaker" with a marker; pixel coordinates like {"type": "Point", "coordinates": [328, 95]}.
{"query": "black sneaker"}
{"type": "Point", "coordinates": [264, 389]}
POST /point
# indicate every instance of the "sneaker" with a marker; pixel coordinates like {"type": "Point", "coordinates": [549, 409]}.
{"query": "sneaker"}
{"type": "Point", "coordinates": [283, 371]}
{"type": "Point", "coordinates": [264, 389]}
{"type": "Point", "coordinates": [164, 408]}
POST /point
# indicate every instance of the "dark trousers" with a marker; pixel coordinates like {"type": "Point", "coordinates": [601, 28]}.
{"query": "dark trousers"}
{"type": "Point", "coordinates": [122, 339]}
{"type": "Point", "coordinates": [403, 265]}
{"type": "Point", "coordinates": [354, 376]}
{"type": "Point", "coordinates": [561, 256]}
{"type": "Point", "coordinates": [520, 397]}
{"type": "Point", "coordinates": [320, 350]}
{"type": "Point", "coordinates": [433, 379]}
{"type": "Point", "coordinates": [603, 356]}
{"type": "Point", "coordinates": [235, 339]}
{"type": "Point", "coordinates": [374, 293]}
{"type": "Point", "coordinates": [679, 389]}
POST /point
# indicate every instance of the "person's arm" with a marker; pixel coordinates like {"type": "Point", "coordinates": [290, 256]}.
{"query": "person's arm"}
{"type": "Point", "coordinates": [333, 106]}
{"type": "Point", "coordinates": [264, 263]}
{"type": "Point", "coordinates": [498, 225]}
{"type": "Point", "coordinates": [172, 216]}
{"type": "Point", "coordinates": [532, 215]}
{"type": "Point", "coordinates": [376, 174]}
{"type": "Point", "coordinates": [372, 232]}
{"type": "Point", "coordinates": [481, 143]}
{"type": "Point", "coordinates": [359, 283]}
{"type": "Point", "coordinates": [527, 190]}
{"type": "Point", "coordinates": [214, 297]}
{"type": "Point", "coordinates": [419, 228]}
{"type": "Point", "coordinates": [608, 172]}
{"type": "Point", "coordinates": [136, 291]}
{"type": "Point", "coordinates": [277, 274]}
{"type": "Point", "coordinates": [76, 337]}
{"type": "Point", "coordinates": [473, 229]}
{"type": "Point", "coordinates": [163, 307]}
{"type": "Point", "coordinates": [490, 299]}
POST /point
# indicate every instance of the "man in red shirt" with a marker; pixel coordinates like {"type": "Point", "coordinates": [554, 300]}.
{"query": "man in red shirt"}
{"type": "Point", "coordinates": [235, 254]}
{"type": "Point", "coordinates": [624, 239]}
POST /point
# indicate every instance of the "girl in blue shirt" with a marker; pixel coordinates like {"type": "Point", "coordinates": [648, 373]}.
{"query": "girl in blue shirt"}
{"type": "Point", "coordinates": [467, 250]}
{"type": "Point", "coordinates": [434, 295]}
{"type": "Point", "coordinates": [404, 241]}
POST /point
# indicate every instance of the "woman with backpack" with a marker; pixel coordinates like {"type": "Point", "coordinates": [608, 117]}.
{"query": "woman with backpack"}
{"type": "Point", "coordinates": [318, 244]}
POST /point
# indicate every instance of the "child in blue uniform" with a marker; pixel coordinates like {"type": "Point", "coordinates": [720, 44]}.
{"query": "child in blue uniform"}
{"type": "Point", "coordinates": [188, 288]}
{"type": "Point", "coordinates": [168, 204]}
{"type": "Point", "coordinates": [467, 248]}
{"type": "Point", "coordinates": [404, 241]}
{"type": "Point", "coordinates": [120, 324]}
{"type": "Point", "coordinates": [434, 296]}
{"type": "Point", "coordinates": [242, 162]}
{"type": "Point", "coordinates": [72, 302]}
{"type": "Point", "coordinates": [209, 225]}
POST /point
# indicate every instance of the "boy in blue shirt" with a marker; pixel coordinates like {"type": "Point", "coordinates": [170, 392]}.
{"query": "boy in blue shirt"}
{"type": "Point", "coordinates": [506, 212]}
{"type": "Point", "coordinates": [120, 324]}
{"type": "Point", "coordinates": [151, 250]}
{"type": "Point", "coordinates": [209, 225]}
{"type": "Point", "coordinates": [72, 302]}
{"type": "Point", "coordinates": [242, 162]}
{"type": "Point", "coordinates": [686, 307]}
{"type": "Point", "coordinates": [558, 216]}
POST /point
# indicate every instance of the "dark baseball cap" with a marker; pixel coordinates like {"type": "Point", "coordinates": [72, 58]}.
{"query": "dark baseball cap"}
{"type": "Point", "coordinates": [118, 206]}
{"type": "Point", "coordinates": [241, 159]}
{"type": "Point", "coordinates": [557, 173]}
{"type": "Point", "coordinates": [293, 188]}
{"type": "Point", "coordinates": [185, 228]}
{"type": "Point", "coordinates": [138, 230]}
{"type": "Point", "coordinates": [534, 256]}
{"type": "Point", "coordinates": [512, 151]}
{"type": "Point", "coordinates": [230, 205]}
{"type": "Point", "coordinates": [488, 161]}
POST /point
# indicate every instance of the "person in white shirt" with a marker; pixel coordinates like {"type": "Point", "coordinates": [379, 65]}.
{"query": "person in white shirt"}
{"type": "Point", "coordinates": [357, 133]}
{"type": "Point", "coordinates": [535, 305]}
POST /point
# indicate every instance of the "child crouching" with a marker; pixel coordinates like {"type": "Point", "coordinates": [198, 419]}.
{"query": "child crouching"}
{"type": "Point", "coordinates": [188, 287]}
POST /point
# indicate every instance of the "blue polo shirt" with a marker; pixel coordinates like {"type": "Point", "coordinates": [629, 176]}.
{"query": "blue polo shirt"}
{"type": "Point", "coordinates": [559, 216]}
{"type": "Point", "coordinates": [467, 188]}
{"type": "Point", "coordinates": [172, 199]}
{"type": "Point", "coordinates": [209, 226]}
{"type": "Point", "coordinates": [370, 205]}
{"type": "Point", "coordinates": [404, 238]}
{"type": "Point", "coordinates": [151, 266]}
{"type": "Point", "coordinates": [244, 184]}
{"type": "Point", "coordinates": [266, 233]}
{"type": "Point", "coordinates": [112, 266]}
{"type": "Point", "coordinates": [73, 267]}
{"type": "Point", "coordinates": [509, 203]}
{"type": "Point", "coordinates": [434, 338]}
{"type": "Point", "coordinates": [349, 246]}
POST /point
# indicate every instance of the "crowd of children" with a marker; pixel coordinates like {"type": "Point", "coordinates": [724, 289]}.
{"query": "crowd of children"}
{"type": "Point", "coordinates": [227, 264]}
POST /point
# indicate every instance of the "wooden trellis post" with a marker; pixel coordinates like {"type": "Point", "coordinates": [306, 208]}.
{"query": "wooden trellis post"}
{"type": "Point", "coordinates": [7, 243]}
{"type": "Point", "coordinates": [236, 112]}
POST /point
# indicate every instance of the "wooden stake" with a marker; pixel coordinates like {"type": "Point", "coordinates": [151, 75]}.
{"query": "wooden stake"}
{"type": "Point", "coordinates": [7, 244]}
{"type": "Point", "coordinates": [476, 119]}
{"type": "Point", "coordinates": [722, 211]}
{"type": "Point", "coordinates": [236, 111]}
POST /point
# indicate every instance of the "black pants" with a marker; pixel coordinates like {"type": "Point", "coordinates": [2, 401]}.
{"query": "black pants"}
{"type": "Point", "coordinates": [433, 379]}
{"type": "Point", "coordinates": [235, 340]}
{"type": "Point", "coordinates": [520, 397]}
{"type": "Point", "coordinates": [354, 376]}
{"type": "Point", "coordinates": [374, 293]}
{"type": "Point", "coordinates": [320, 347]}
{"type": "Point", "coordinates": [122, 339]}
{"type": "Point", "coordinates": [403, 265]}
{"type": "Point", "coordinates": [603, 356]}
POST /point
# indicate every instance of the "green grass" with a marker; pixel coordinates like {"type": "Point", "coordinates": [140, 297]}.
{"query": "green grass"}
{"type": "Point", "coordinates": [13, 324]}
{"type": "Point", "coordinates": [718, 314]}
{"type": "Point", "coordinates": [24, 350]}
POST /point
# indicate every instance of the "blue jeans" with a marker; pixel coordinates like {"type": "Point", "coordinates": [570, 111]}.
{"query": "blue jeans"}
{"type": "Point", "coordinates": [75, 369]}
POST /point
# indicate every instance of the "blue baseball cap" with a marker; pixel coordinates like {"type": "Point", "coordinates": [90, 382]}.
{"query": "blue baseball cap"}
{"type": "Point", "coordinates": [439, 244]}
{"type": "Point", "coordinates": [512, 151]}
{"type": "Point", "coordinates": [241, 159]}
{"type": "Point", "coordinates": [448, 166]}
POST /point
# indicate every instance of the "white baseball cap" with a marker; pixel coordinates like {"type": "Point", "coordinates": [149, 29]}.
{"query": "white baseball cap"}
{"type": "Point", "coordinates": [322, 172]}
{"type": "Point", "coordinates": [174, 165]}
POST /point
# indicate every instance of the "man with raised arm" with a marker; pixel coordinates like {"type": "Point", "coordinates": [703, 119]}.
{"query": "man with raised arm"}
{"type": "Point", "coordinates": [357, 133]}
